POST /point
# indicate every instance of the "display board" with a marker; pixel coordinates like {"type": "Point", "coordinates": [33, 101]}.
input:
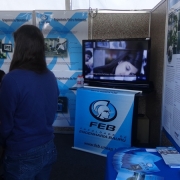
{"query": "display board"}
{"type": "Point", "coordinates": [171, 98]}
{"type": "Point", "coordinates": [63, 32]}
{"type": "Point", "coordinates": [10, 21]}
{"type": "Point", "coordinates": [103, 120]}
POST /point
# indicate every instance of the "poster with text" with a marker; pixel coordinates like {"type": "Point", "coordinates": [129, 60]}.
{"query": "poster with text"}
{"type": "Point", "coordinates": [10, 21]}
{"type": "Point", "coordinates": [63, 34]}
{"type": "Point", "coordinates": [103, 120]}
{"type": "Point", "coordinates": [171, 89]}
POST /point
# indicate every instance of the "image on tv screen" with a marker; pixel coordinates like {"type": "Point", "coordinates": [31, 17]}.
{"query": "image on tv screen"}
{"type": "Point", "coordinates": [116, 60]}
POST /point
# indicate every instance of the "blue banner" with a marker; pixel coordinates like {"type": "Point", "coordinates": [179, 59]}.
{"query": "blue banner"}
{"type": "Point", "coordinates": [103, 120]}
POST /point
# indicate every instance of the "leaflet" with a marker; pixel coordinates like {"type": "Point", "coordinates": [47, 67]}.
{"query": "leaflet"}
{"type": "Point", "coordinates": [170, 156]}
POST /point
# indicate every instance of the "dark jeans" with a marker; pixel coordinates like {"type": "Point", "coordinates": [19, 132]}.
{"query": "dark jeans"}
{"type": "Point", "coordinates": [35, 164]}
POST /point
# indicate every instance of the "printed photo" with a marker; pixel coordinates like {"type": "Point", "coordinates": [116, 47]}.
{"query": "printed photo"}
{"type": "Point", "coordinates": [2, 54]}
{"type": "Point", "coordinates": [172, 36]}
{"type": "Point", "coordinates": [7, 48]}
{"type": "Point", "coordinates": [62, 105]}
{"type": "Point", "coordinates": [56, 47]}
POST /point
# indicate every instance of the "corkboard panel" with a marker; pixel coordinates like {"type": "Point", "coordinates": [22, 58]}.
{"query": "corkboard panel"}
{"type": "Point", "coordinates": [154, 101]}
{"type": "Point", "coordinates": [120, 25]}
{"type": "Point", "coordinates": [165, 141]}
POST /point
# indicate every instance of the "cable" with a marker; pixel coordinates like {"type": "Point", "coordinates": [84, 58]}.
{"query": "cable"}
{"type": "Point", "coordinates": [91, 12]}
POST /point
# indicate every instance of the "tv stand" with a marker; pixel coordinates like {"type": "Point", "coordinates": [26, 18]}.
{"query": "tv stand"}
{"type": "Point", "coordinates": [145, 87]}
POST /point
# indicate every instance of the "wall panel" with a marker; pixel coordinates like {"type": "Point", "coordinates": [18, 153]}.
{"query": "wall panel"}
{"type": "Point", "coordinates": [154, 101]}
{"type": "Point", "coordinates": [120, 25]}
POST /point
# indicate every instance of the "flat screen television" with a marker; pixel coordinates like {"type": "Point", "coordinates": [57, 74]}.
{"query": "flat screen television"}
{"type": "Point", "coordinates": [117, 63]}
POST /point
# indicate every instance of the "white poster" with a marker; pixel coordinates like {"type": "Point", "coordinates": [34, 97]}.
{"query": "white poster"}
{"type": "Point", "coordinates": [171, 94]}
{"type": "Point", "coordinates": [10, 21]}
{"type": "Point", "coordinates": [63, 32]}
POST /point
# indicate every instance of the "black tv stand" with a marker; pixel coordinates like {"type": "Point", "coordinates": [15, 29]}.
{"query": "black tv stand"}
{"type": "Point", "coordinates": [145, 87]}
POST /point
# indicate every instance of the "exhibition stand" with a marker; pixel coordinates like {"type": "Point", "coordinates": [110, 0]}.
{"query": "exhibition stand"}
{"type": "Point", "coordinates": [139, 163]}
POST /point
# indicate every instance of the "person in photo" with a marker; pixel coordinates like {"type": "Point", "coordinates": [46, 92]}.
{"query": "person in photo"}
{"type": "Point", "coordinates": [88, 62]}
{"type": "Point", "coordinates": [128, 63]}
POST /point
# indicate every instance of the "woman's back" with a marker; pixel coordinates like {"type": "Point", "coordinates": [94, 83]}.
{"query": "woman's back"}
{"type": "Point", "coordinates": [31, 111]}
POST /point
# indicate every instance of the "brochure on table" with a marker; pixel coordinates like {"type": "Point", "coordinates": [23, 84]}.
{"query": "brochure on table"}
{"type": "Point", "coordinates": [136, 163]}
{"type": "Point", "coordinates": [171, 101]}
{"type": "Point", "coordinates": [63, 32]}
{"type": "Point", "coordinates": [10, 21]}
{"type": "Point", "coordinates": [103, 120]}
{"type": "Point", "coordinates": [170, 156]}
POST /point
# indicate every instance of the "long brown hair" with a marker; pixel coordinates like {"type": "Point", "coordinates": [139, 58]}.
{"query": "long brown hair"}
{"type": "Point", "coordinates": [29, 50]}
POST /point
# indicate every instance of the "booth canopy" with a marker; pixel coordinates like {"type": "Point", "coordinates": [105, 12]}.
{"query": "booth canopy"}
{"type": "Point", "coordinates": [78, 4]}
{"type": "Point", "coordinates": [114, 4]}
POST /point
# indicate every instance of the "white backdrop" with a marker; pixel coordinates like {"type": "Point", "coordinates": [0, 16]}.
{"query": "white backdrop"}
{"type": "Point", "coordinates": [171, 86]}
{"type": "Point", "coordinates": [32, 5]}
{"type": "Point", "coordinates": [115, 4]}
{"type": "Point", "coordinates": [78, 4]}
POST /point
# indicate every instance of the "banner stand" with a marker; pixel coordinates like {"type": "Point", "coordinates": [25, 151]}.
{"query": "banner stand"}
{"type": "Point", "coordinates": [103, 120]}
{"type": "Point", "coordinates": [92, 152]}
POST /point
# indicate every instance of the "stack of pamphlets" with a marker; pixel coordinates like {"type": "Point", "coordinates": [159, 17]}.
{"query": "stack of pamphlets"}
{"type": "Point", "coordinates": [136, 164]}
{"type": "Point", "coordinates": [170, 156]}
{"type": "Point", "coordinates": [130, 175]}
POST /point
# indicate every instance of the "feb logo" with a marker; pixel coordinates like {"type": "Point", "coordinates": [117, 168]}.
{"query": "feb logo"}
{"type": "Point", "coordinates": [103, 110]}
{"type": "Point", "coordinates": [44, 17]}
{"type": "Point", "coordinates": [176, 135]}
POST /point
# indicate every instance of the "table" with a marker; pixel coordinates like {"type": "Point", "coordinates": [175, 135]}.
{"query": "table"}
{"type": "Point", "coordinates": [165, 171]}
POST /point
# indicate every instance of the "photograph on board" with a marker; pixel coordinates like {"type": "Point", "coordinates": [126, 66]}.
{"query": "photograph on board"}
{"type": "Point", "coordinates": [56, 47]}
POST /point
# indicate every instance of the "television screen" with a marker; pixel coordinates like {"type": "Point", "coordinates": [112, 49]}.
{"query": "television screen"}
{"type": "Point", "coordinates": [116, 62]}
